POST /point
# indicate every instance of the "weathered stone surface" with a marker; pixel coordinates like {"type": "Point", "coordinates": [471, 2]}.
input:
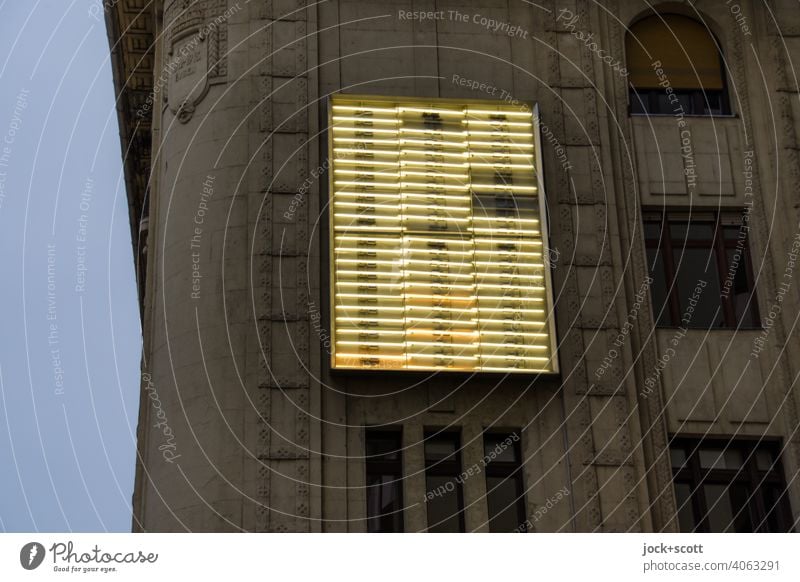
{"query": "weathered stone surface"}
{"type": "Point", "coordinates": [269, 439]}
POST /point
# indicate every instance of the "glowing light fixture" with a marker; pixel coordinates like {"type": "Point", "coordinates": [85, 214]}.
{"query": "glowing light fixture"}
{"type": "Point", "coordinates": [438, 237]}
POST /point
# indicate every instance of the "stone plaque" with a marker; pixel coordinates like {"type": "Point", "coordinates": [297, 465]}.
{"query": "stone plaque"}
{"type": "Point", "coordinates": [188, 74]}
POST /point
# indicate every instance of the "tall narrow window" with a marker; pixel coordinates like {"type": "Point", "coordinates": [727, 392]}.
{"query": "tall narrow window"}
{"type": "Point", "coordinates": [701, 269]}
{"type": "Point", "coordinates": [505, 493]}
{"type": "Point", "coordinates": [675, 67]}
{"type": "Point", "coordinates": [442, 472]}
{"type": "Point", "coordinates": [729, 486]}
{"type": "Point", "coordinates": [384, 481]}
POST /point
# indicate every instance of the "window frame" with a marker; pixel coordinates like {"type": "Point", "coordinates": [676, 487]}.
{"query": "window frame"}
{"type": "Point", "coordinates": [508, 470]}
{"type": "Point", "coordinates": [691, 473]}
{"type": "Point", "coordinates": [370, 363]}
{"type": "Point", "coordinates": [665, 247]}
{"type": "Point", "coordinates": [699, 97]}
{"type": "Point", "coordinates": [382, 466]}
{"type": "Point", "coordinates": [701, 105]}
{"type": "Point", "coordinates": [450, 467]}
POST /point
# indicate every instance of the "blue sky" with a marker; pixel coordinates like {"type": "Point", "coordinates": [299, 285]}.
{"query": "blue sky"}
{"type": "Point", "coordinates": [69, 324]}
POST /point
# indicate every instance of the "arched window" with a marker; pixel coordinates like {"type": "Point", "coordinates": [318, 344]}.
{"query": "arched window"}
{"type": "Point", "coordinates": [674, 66]}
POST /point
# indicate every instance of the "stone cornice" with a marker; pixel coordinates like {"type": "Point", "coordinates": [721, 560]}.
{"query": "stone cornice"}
{"type": "Point", "coordinates": [130, 25]}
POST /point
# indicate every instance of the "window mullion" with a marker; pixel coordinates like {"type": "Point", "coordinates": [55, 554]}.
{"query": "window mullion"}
{"type": "Point", "coordinates": [670, 269]}
{"type": "Point", "coordinates": [728, 312]}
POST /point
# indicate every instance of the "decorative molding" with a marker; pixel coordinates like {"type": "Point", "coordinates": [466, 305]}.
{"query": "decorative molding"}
{"type": "Point", "coordinates": [196, 52]}
{"type": "Point", "coordinates": [280, 100]}
{"type": "Point", "coordinates": [651, 409]}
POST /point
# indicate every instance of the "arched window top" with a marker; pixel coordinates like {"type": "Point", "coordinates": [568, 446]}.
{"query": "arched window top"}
{"type": "Point", "coordinates": [676, 52]}
{"type": "Point", "coordinates": [686, 49]}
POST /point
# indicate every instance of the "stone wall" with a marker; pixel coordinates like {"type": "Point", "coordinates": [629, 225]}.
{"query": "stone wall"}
{"type": "Point", "coordinates": [269, 438]}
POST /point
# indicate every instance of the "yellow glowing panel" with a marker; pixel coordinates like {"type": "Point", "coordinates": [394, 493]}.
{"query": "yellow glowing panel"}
{"type": "Point", "coordinates": [438, 237]}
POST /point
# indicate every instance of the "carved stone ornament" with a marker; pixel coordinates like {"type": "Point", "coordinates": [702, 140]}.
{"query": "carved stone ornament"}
{"type": "Point", "coordinates": [188, 75]}
{"type": "Point", "coordinates": [196, 57]}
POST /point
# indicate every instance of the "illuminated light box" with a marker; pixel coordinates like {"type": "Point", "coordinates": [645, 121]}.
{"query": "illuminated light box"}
{"type": "Point", "coordinates": [438, 237]}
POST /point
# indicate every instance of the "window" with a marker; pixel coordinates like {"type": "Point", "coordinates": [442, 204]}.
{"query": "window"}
{"type": "Point", "coordinates": [701, 269]}
{"type": "Point", "coordinates": [729, 486]}
{"type": "Point", "coordinates": [505, 493]}
{"type": "Point", "coordinates": [438, 237]}
{"type": "Point", "coordinates": [675, 67]}
{"type": "Point", "coordinates": [384, 481]}
{"type": "Point", "coordinates": [443, 481]}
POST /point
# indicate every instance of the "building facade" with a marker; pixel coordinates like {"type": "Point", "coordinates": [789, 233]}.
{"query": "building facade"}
{"type": "Point", "coordinates": [668, 137]}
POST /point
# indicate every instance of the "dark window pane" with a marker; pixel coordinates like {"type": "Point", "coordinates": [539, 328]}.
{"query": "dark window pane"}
{"type": "Point", "coordinates": [686, 270]}
{"type": "Point", "coordinates": [778, 519]}
{"type": "Point", "coordinates": [384, 479]}
{"type": "Point", "coordinates": [503, 499]}
{"type": "Point", "coordinates": [698, 288]}
{"type": "Point", "coordinates": [690, 102]}
{"type": "Point", "coordinates": [652, 230]}
{"type": "Point", "coordinates": [381, 447]}
{"type": "Point", "coordinates": [439, 448]}
{"type": "Point", "coordinates": [685, 102]}
{"type": "Point", "coordinates": [737, 488]}
{"type": "Point", "coordinates": [638, 102]}
{"type": "Point", "coordinates": [384, 503]}
{"type": "Point", "coordinates": [720, 459]}
{"type": "Point", "coordinates": [443, 481]}
{"type": "Point", "coordinates": [444, 509]}
{"type": "Point", "coordinates": [504, 487]}
{"type": "Point", "coordinates": [713, 102]}
{"type": "Point", "coordinates": [764, 460]}
{"type": "Point", "coordinates": [727, 508]}
{"type": "Point", "coordinates": [663, 103]}
{"type": "Point", "coordinates": [727, 511]}
{"type": "Point", "coordinates": [500, 448]}
{"type": "Point", "coordinates": [740, 499]}
{"type": "Point", "coordinates": [658, 288]}
{"type": "Point", "coordinates": [694, 231]}
{"type": "Point", "coordinates": [677, 457]}
{"type": "Point", "coordinates": [686, 519]}
{"type": "Point", "coordinates": [731, 233]}
{"type": "Point", "coordinates": [739, 288]}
